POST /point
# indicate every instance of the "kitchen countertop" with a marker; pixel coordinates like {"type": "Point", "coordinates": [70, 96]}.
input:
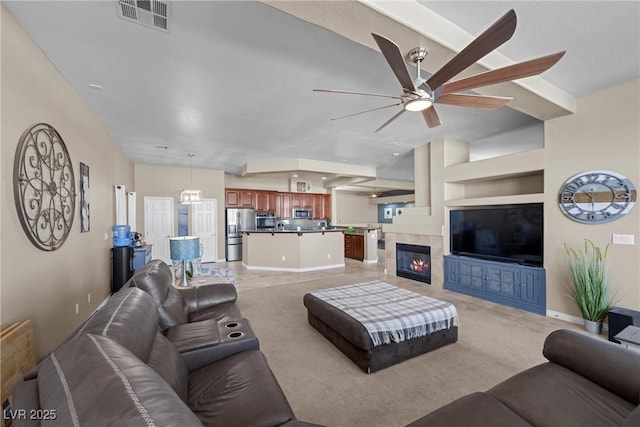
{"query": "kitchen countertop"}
{"type": "Point", "coordinates": [331, 230]}
{"type": "Point", "coordinates": [358, 231]}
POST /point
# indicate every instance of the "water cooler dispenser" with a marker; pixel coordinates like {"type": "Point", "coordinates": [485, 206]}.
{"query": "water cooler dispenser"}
{"type": "Point", "coordinates": [121, 256]}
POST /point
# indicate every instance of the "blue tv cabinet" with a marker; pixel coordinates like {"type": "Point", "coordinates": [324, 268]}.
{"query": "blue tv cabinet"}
{"type": "Point", "coordinates": [509, 284]}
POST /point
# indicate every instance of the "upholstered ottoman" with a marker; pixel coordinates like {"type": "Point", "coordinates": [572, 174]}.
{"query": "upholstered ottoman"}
{"type": "Point", "coordinates": [377, 325]}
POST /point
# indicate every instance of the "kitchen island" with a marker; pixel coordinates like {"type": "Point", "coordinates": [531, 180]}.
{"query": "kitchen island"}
{"type": "Point", "coordinates": [361, 243]}
{"type": "Point", "coordinates": [303, 250]}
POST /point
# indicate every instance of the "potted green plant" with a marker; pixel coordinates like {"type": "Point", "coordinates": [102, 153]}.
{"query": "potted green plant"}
{"type": "Point", "coordinates": [590, 283]}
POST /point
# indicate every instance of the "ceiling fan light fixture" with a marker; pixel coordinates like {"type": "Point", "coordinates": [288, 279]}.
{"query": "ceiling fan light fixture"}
{"type": "Point", "coordinates": [417, 104]}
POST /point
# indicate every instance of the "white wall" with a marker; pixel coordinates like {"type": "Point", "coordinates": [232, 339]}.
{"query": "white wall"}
{"type": "Point", "coordinates": [162, 181]}
{"type": "Point", "coordinates": [350, 208]}
{"type": "Point", "coordinates": [604, 133]}
{"type": "Point", "coordinates": [46, 286]}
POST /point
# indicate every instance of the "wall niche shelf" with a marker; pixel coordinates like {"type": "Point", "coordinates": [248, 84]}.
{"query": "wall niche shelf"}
{"type": "Point", "coordinates": [497, 200]}
{"type": "Point", "coordinates": [508, 180]}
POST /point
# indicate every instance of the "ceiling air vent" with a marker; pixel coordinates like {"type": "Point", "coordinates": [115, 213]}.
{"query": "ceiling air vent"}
{"type": "Point", "coordinates": [150, 13]}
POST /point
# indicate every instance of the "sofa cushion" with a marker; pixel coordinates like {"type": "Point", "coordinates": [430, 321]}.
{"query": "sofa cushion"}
{"type": "Point", "coordinates": [552, 395]}
{"type": "Point", "coordinates": [202, 296]}
{"type": "Point", "coordinates": [239, 390]}
{"type": "Point", "coordinates": [472, 410]}
{"type": "Point", "coordinates": [156, 279]}
{"type": "Point", "coordinates": [129, 318]}
{"type": "Point", "coordinates": [93, 381]}
{"type": "Point", "coordinates": [170, 365]}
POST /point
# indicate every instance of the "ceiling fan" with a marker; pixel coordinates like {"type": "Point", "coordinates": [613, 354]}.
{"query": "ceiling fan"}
{"type": "Point", "coordinates": [421, 95]}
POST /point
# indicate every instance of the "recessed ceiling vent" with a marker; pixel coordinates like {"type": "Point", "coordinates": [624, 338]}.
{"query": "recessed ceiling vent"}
{"type": "Point", "coordinates": [150, 13]}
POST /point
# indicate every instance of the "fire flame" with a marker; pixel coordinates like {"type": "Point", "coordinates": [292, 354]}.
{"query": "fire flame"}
{"type": "Point", "coordinates": [418, 265]}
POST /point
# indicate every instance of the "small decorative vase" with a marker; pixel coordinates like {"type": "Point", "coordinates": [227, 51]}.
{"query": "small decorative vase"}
{"type": "Point", "coordinates": [593, 327]}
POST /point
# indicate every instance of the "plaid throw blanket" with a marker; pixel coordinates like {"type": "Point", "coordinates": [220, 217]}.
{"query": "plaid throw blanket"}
{"type": "Point", "coordinates": [390, 314]}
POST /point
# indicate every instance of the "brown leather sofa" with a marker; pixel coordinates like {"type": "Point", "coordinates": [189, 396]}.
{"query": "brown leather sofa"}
{"type": "Point", "coordinates": [586, 382]}
{"type": "Point", "coordinates": [120, 369]}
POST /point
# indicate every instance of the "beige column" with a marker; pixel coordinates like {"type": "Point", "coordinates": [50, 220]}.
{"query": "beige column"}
{"type": "Point", "coordinates": [422, 175]}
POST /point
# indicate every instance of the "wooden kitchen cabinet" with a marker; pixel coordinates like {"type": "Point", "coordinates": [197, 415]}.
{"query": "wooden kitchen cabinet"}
{"type": "Point", "coordinates": [286, 206]}
{"type": "Point", "coordinates": [247, 199]}
{"type": "Point", "coordinates": [316, 205]}
{"type": "Point", "coordinates": [305, 201]}
{"type": "Point", "coordinates": [348, 245]}
{"type": "Point", "coordinates": [271, 201]}
{"type": "Point", "coordinates": [265, 201]}
{"type": "Point", "coordinates": [354, 246]}
{"type": "Point", "coordinates": [239, 198]}
{"type": "Point", "coordinates": [279, 203]}
{"type": "Point", "coordinates": [326, 206]}
{"type": "Point", "coordinates": [277, 207]}
{"type": "Point", "coordinates": [232, 198]}
{"type": "Point", "coordinates": [296, 201]}
{"type": "Point", "coordinates": [321, 205]}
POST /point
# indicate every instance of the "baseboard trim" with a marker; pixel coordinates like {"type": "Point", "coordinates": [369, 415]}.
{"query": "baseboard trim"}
{"type": "Point", "coordinates": [104, 301]}
{"type": "Point", "coordinates": [564, 316]}
{"type": "Point", "coordinates": [370, 261]}
{"type": "Point", "coordinates": [292, 269]}
{"type": "Point", "coordinates": [572, 319]}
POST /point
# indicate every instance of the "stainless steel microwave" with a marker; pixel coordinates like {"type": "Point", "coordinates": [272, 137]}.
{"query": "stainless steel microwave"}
{"type": "Point", "coordinates": [302, 213]}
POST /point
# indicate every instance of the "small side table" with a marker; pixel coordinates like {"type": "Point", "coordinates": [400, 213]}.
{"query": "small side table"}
{"type": "Point", "coordinates": [630, 337]}
{"type": "Point", "coordinates": [141, 256]}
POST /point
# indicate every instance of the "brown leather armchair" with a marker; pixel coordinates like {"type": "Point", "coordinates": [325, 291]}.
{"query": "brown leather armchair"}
{"type": "Point", "coordinates": [203, 322]}
{"type": "Point", "coordinates": [184, 305]}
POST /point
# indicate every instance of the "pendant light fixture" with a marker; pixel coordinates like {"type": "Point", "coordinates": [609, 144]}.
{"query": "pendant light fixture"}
{"type": "Point", "coordinates": [190, 196]}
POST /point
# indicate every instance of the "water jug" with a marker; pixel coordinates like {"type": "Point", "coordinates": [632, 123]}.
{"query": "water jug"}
{"type": "Point", "coordinates": [121, 235]}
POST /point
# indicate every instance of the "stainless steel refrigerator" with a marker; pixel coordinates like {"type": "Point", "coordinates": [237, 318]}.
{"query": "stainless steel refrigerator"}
{"type": "Point", "coordinates": [237, 220]}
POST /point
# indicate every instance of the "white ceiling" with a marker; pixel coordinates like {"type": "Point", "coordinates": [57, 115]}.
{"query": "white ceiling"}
{"type": "Point", "coordinates": [232, 81]}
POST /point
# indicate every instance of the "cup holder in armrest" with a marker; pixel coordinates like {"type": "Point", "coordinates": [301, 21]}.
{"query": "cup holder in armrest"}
{"type": "Point", "coordinates": [231, 325]}
{"type": "Point", "coordinates": [236, 334]}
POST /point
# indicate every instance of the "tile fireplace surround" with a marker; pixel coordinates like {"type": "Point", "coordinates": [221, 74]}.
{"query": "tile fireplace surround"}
{"type": "Point", "coordinates": [437, 257]}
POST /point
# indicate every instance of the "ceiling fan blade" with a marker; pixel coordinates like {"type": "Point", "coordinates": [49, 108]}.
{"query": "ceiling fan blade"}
{"type": "Point", "coordinates": [511, 72]}
{"type": "Point", "coordinates": [473, 101]}
{"type": "Point", "coordinates": [393, 56]}
{"type": "Point", "coordinates": [390, 120]}
{"type": "Point", "coordinates": [350, 92]}
{"type": "Point", "coordinates": [494, 36]}
{"type": "Point", "coordinates": [431, 117]}
{"type": "Point", "coordinates": [366, 111]}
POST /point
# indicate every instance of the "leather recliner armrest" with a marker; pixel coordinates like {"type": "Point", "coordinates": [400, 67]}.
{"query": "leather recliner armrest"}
{"type": "Point", "coordinates": [199, 357]}
{"type": "Point", "coordinates": [607, 364]}
{"type": "Point", "coordinates": [200, 297]}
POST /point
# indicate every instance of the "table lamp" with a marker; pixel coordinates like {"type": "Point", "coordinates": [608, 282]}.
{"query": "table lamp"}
{"type": "Point", "coordinates": [184, 249]}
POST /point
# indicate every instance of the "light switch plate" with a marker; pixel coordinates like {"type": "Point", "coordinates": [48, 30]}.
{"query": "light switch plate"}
{"type": "Point", "coordinates": [623, 239]}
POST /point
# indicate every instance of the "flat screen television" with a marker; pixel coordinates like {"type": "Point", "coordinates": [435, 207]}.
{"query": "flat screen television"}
{"type": "Point", "coordinates": [506, 233]}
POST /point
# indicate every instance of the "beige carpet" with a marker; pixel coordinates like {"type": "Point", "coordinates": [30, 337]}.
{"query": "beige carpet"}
{"type": "Point", "coordinates": [325, 387]}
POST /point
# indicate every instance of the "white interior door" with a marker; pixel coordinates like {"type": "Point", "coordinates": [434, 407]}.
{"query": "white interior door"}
{"type": "Point", "coordinates": [158, 226]}
{"type": "Point", "coordinates": [205, 227]}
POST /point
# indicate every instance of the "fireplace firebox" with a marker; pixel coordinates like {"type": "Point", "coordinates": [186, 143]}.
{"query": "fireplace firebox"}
{"type": "Point", "coordinates": [413, 262]}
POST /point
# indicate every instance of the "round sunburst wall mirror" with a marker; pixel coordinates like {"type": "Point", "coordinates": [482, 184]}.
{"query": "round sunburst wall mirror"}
{"type": "Point", "coordinates": [44, 187]}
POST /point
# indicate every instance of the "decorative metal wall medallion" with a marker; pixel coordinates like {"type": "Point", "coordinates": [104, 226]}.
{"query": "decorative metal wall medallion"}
{"type": "Point", "coordinates": [44, 187]}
